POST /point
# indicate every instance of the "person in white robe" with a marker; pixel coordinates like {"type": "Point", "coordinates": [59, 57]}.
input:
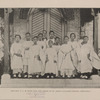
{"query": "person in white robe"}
{"type": "Point", "coordinates": [35, 61]}
{"type": "Point", "coordinates": [42, 45]}
{"type": "Point", "coordinates": [51, 61]}
{"type": "Point", "coordinates": [85, 58]}
{"type": "Point", "coordinates": [51, 37]}
{"type": "Point", "coordinates": [26, 46]}
{"type": "Point", "coordinates": [44, 35]}
{"type": "Point", "coordinates": [66, 65]}
{"type": "Point", "coordinates": [75, 46]}
{"type": "Point", "coordinates": [56, 46]}
{"type": "Point", "coordinates": [16, 57]}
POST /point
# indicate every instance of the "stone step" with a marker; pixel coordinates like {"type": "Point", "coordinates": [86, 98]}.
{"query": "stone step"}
{"type": "Point", "coordinates": [50, 83]}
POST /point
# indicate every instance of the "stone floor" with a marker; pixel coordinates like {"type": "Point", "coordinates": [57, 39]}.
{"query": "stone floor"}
{"type": "Point", "coordinates": [51, 83]}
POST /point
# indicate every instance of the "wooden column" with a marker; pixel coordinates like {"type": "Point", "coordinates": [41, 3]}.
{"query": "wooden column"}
{"type": "Point", "coordinates": [95, 34]}
{"type": "Point", "coordinates": [6, 41]}
{"type": "Point", "coordinates": [48, 22]}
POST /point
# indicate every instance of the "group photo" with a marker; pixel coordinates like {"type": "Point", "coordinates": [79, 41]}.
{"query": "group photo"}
{"type": "Point", "coordinates": [50, 47]}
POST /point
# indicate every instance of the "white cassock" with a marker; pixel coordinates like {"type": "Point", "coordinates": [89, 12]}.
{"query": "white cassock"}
{"type": "Point", "coordinates": [42, 46]}
{"type": "Point", "coordinates": [66, 62]}
{"type": "Point", "coordinates": [57, 48]}
{"type": "Point", "coordinates": [75, 47]}
{"type": "Point", "coordinates": [1, 50]}
{"type": "Point", "coordinates": [85, 64]}
{"type": "Point", "coordinates": [16, 61]}
{"type": "Point", "coordinates": [26, 57]}
{"type": "Point", "coordinates": [51, 66]}
{"type": "Point", "coordinates": [48, 41]}
{"type": "Point", "coordinates": [34, 62]}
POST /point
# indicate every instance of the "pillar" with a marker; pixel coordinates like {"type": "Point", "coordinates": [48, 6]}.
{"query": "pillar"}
{"type": "Point", "coordinates": [5, 77]}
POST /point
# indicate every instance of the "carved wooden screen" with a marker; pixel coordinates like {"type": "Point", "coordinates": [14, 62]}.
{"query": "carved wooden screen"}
{"type": "Point", "coordinates": [56, 22]}
{"type": "Point", "coordinates": [37, 22]}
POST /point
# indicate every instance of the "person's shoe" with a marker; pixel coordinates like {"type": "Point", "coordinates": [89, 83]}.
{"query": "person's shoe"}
{"type": "Point", "coordinates": [14, 75]}
{"type": "Point", "coordinates": [48, 76]}
{"type": "Point", "coordinates": [52, 76]}
{"type": "Point", "coordinates": [19, 75]}
{"type": "Point", "coordinates": [29, 76]}
{"type": "Point", "coordinates": [37, 76]}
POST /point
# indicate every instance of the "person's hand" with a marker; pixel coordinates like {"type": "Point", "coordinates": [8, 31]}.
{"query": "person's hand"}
{"type": "Point", "coordinates": [19, 55]}
{"type": "Point", "coordinates": [38, 57]}
{"type": "Point", "coordinates": [55, 61]}
{"type": "Point", "coordinates": [27, 48]}
{"type": "Point", "coordinates": [79, 61]}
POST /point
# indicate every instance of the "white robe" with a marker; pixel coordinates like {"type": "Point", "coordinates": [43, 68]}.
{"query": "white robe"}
{"type": "Point", "coordinates": [85, 64]}
{"type": "Point", "coordinates": [51, 67]}
{"type": "Point", "coordinates": [34, 63]}
{"type": "Point", "coordinates": [48, 41]}
{"type": "Point", "coordinates": [26, 57]}
{"type": "Point", "coordinates": [66, 63]}
{"type": "Point", "coordinates": [75, 47]}
{"type": "Point", "coordinates": [42, 46]}
{"type": "Point", "coordinates": [57, 48]}
{"type": "Point", "coordinates": [16, 62]}
{"type": "Point", "coordinates": [1, 50]}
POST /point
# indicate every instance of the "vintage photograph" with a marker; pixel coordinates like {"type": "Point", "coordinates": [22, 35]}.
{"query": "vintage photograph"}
{"type": "Point", "coordinates": [50, 47]}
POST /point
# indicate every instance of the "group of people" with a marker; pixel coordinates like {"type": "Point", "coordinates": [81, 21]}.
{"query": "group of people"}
{"type": "Point", "coordinates": [40, 56]}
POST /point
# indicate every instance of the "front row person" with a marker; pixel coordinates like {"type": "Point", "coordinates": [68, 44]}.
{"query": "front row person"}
{"type": "Point", "coordinates": [16, 57]}
{"type": "Point", "coordinates": [51, 61]}
{"type": "Point", "coordinates": [35, 61]}
{"type": "Point", "coordinates": [66, 66]}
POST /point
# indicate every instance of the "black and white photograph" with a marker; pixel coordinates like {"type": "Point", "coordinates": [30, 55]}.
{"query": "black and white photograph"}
{"type": "Point", "coordinates": [49, 47]}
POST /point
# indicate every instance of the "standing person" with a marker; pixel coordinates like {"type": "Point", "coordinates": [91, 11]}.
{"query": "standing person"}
{"type": "Point", "coordinates": [51, 61]}
{"type": "Point", "coordinates": [42, 45]}
{"type": "Point", "coordinates": [16, 57]}
{"type": "Point", "coordinates": [85, 58]}
{"type": "Point", "coordinates": [66, 66]}
{"type": "Point", "coordinates": [44, 35]}
{"type": "Point", "coordinates": [51, 37]}
{"type": "Point", "coordinates": [35, 61]}
{"type": "Point", "coordinates": [26, 46]}
{"type": "Point", "coordinates": [75, 46]}
{"type": "Point", "coordinates": [56, 46]}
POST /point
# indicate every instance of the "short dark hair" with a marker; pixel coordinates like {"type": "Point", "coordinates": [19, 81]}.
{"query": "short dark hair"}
{"type": "Point", "coordinates": [85, 37]}
{"type": "Point", "coordinates": [17, 35]}
{"type": "Point", "coordinates": [40, 34]}
{"type": "Point", "coordinates": [27, 33]}
{"type": "Point", "coordinates": [57, 38]}
{"type": "Point", "coordinates": [66, 36]}
{"type": "Point", "coordinates": [35, 37]}
{"type": "Point", "coordinates": [44, 31]}
{"type": "Point", "coordinates": [73, 34]}
{"type": "Point", "coordinates": [51, 32]}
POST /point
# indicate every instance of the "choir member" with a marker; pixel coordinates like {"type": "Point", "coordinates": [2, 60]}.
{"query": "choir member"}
{"type": "Point", "coordinates": [75, 46]}
{"type": "Point", "coordinates": [26, 46]}
{"type": "Point", "coordinates": [66, 66]}
{"type": "Point", "coordinates": [16, 57]}
{"type": "Point", "coordinates": [35, 61]}
{"type": "Point", "coordinates": [51, 61]}
{"type": "Point", "coordinates": [85, 58]}
{"type": "Point", "coordinates": [56, 46]}
{"type": "Point", "coordinates": [51, 37]}
{"type": "Point", "coordinates": [42, 45]}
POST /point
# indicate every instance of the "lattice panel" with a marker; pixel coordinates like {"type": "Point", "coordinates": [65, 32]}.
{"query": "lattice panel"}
{"type": "Point", "coordinates": [37, 22]}
{"type": "Point", "coordinates": [56, 22]}
{"type": "Point", "coordinates": [73, 23]}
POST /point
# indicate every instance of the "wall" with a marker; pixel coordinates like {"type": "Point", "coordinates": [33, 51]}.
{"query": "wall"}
{"type": "Point", "coordinates": [20, 25]}
{"type": "Point", "coordinates": [87, 30]}
{"type": "Point", "coordinates": [73, 23]}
